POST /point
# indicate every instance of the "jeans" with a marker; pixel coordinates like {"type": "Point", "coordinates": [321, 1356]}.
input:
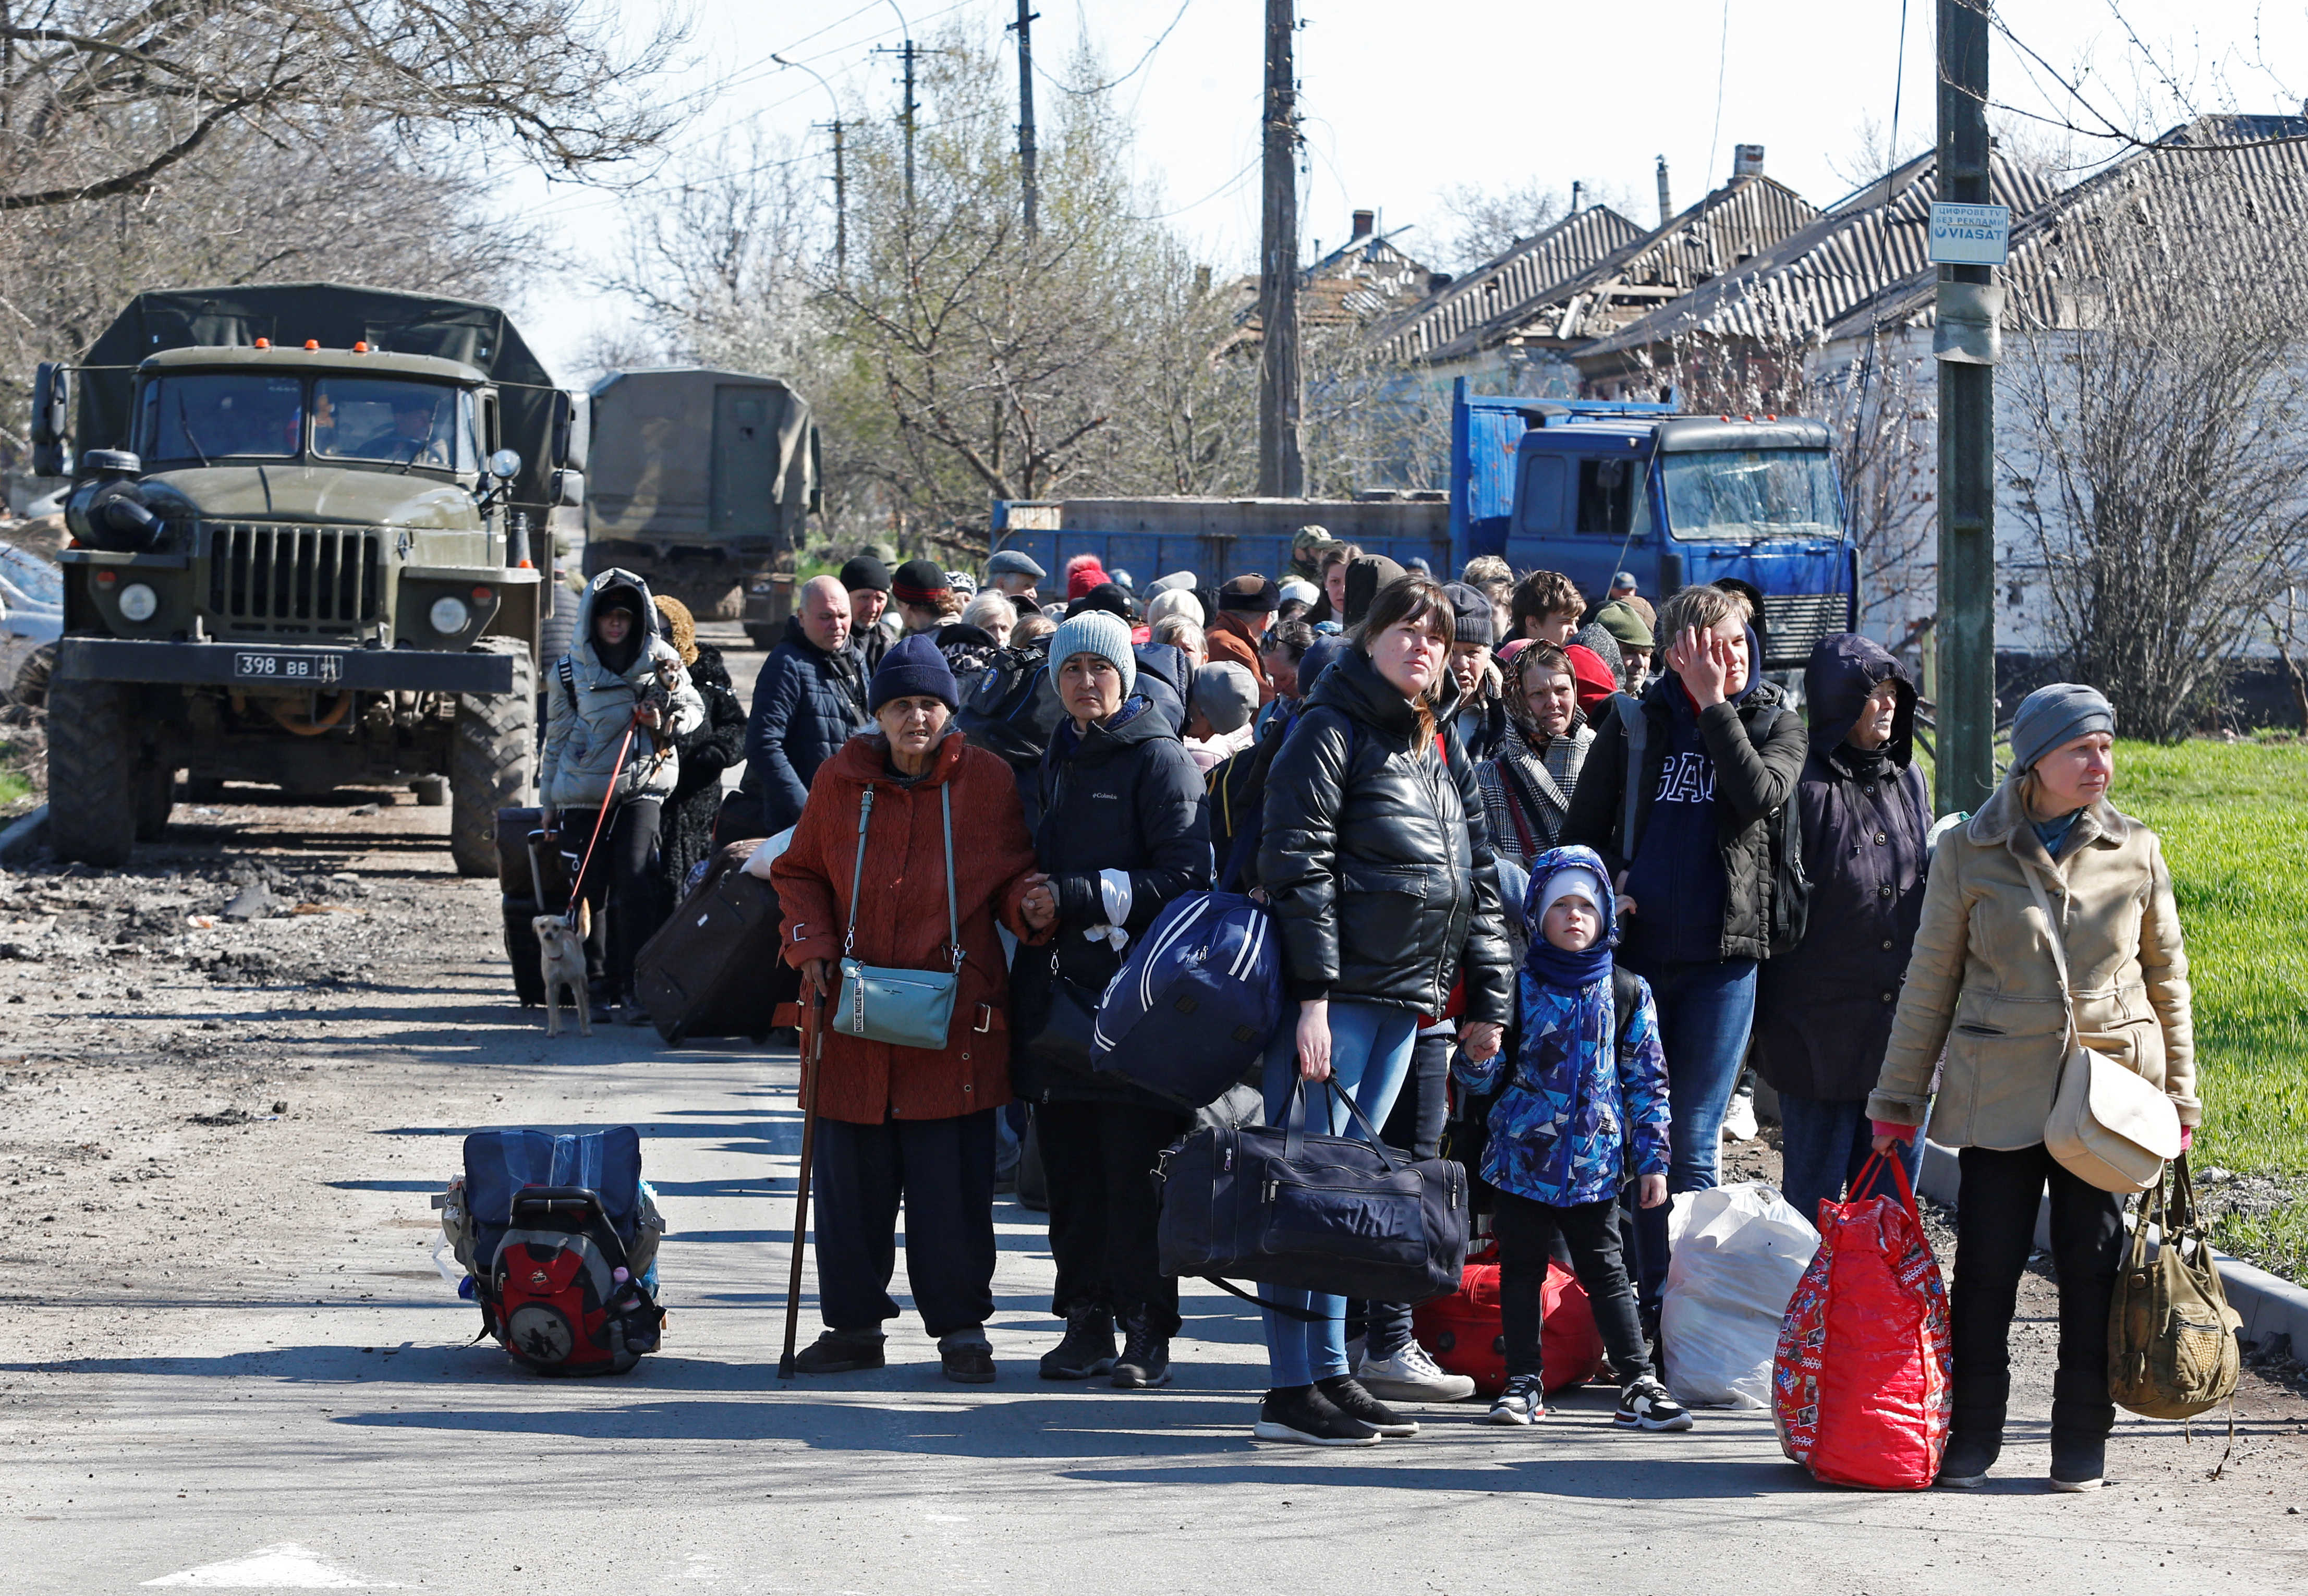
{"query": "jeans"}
{"type": "Point", "coordinates": [943, 1171]}
{"type": "Point", "coordinates": [1370, 1055]}
{"type": "Point", "coordinates": [1705, 1013]}
{"type": "Point", "coordinates": [1098, 1159]}
{"type": "Point", "coordinates": [1822, 1146]}
{"type": "Point", "coordinates": [1996, 1202]}
{"type": "Point", "coordinates": [1526, 1232]}
{"type": "Point", "coordinates": [621, 884]}
{"type": "Point", "coordinates": [1416, 1123]}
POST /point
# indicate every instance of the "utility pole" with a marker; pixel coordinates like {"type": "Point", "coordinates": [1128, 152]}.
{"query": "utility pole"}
{"type": "Point", "coordinates": [1281, 465]}
{"type": "Point", "coordinates": [907, 53]}
{"type": "Point", "coordinates": [1026, 152]}
{"type": "Point", "coordinates": [841, 203]}
{"type": "Point", "coordinates": [1967, 343]}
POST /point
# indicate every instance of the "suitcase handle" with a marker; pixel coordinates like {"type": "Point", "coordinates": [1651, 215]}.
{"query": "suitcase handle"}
{"type": "Point", "coordinates": [1294, 1117]}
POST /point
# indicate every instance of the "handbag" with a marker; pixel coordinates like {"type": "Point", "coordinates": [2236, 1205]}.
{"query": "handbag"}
{"type": "Point", "coordinates": [2110, 1127]}
{"type": "Point", "coordinates": [903, 1007]}
{"type": "Point", "coordinates": [2171, 1349]}
{"type": "Point", "coordinates": [1337, 1215]}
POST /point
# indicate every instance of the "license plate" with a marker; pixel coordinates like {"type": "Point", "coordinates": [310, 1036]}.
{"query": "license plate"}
{"type": "Point", "coordinates": [271, 664]}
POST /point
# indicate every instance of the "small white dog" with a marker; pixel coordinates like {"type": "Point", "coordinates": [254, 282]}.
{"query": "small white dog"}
{"type": "Point", "coordinates": [561, 952]}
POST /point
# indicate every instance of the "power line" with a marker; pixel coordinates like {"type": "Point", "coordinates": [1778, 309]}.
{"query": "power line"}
{"type": "Point", "coordinates": [1722, 60]}
{"type": "Point", "coordinates": [1160, 40]}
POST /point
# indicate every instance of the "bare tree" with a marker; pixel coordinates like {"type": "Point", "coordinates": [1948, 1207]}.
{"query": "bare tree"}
{"type": "Point", "coordinates": [1487, 222]}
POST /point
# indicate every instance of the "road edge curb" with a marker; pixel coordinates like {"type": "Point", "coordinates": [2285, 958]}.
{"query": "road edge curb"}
{"type": "Point", "coordinates": [24, 835]}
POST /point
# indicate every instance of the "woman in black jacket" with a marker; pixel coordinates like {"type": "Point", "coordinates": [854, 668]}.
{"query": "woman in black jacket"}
{"type": "Point", "coordinates": [1122, 831]}
{"type": "Point", "coordinates": [1823, 1012]}
{"type": "Point", "coordinates": [685, 835]}
{"type": "Point", "coordinates": [1377, 860]}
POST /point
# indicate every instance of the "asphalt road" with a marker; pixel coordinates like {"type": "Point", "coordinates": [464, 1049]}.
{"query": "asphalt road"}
{"type": "Point", "coordinates": [290, 1402]}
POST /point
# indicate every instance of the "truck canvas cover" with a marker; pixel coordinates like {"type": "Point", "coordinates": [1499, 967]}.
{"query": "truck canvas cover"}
{"type": "Point", "coordinates": [336, 316]}
{"type": "Point", "coordinates": [693, 456]}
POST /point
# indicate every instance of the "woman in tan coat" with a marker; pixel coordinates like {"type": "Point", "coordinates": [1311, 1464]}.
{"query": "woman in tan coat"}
{"type": "Point", "coordinates": [1984, 985]}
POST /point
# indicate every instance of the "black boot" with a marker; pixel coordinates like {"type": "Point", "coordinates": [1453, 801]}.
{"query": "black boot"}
{"type": "Point", "coordinates": [1976, 1438]}
{"type": "Point", "coordinates": [2081, 1419]}
{"type": "Point", "coordinates": [841, 1352]}
{"type": "Point", "coordinates": [1087, 1350]}
{"type": "Point", "coordinates": [1145, 1361]}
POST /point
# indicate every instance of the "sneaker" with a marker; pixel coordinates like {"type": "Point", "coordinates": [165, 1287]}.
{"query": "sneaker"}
{"type": "Point", "coordinates": [2077, 1462]}
{"type": "Point", "coordinates": [966, 1356]}
{"type": "Point", "coordinates": [1145, 1361]}
{"type": "Point", "coordinates": [841, 1352]}
{"type": "Point", "coordinates": [1087, 1350]}
{"type": "Point", "coordinates": [1644, 1405]}
{"type": "Point", "coordinates": [1964, 1465]}
{"type": "Point", "coordinates": [1523, 1401]}
{"type": "Point", "coordinates": [1345, 1394]}
{"type": "Point", "coordinates": [1739, 1118]}
{"type": "Point", "coordinates": [1303, 1415]}
{"type": "Point", "coordinates": [1411, 1375]}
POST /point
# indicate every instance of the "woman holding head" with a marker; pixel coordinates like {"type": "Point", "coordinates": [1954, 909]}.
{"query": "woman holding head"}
{"type": "Point", "coordinates": [1378, 866]}
{"type": "Point", "coordinates": [2047, 860]}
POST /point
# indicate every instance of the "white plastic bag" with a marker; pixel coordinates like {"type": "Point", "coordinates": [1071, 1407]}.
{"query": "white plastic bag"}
{"type": "Point", "coordinates": [1739, 1251]}
{"type": "Point", "coordinates": [757, 863]}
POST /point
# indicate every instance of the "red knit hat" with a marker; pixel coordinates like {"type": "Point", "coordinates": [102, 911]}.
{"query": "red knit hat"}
{"type": "Point", "coordinates": [1594, 683]}
{"type": "Point", "coordinates": [1083, 572]}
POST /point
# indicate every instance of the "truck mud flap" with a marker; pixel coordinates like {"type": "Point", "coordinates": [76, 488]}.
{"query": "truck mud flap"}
{"type": "Point", "coordinates": [260, 667]}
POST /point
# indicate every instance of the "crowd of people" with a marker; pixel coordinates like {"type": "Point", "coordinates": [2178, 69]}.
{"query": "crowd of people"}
{"type": "Point", "coordinates": [1548, 874]}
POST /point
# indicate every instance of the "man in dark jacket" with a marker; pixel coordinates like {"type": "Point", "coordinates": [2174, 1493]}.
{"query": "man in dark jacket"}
{"type": "Point", "coordinates": [809, 700]}
{"type": "Point", "coordinates": [1680, 799]}
{"type": "Point", "coordinates": [1823, 1011]}
{"type": "Point", "coordinates": [865, 581]}
{"type": "Point", "coordinates": [1122, 833]}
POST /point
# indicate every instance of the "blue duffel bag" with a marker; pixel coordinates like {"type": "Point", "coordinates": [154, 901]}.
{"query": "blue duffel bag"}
{"type": "Point", "coordinates": [1194, 1005]}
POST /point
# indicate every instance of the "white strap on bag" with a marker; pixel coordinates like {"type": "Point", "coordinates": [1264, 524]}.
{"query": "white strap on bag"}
{"type": "Point", "coordinates": [2110, 1127]}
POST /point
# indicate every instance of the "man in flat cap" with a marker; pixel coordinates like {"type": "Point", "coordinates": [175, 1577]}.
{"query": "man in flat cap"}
{"type": "Point", "coordinates": [1246, 607]}
{"type": "Point", "coordinates": [1012, 573]}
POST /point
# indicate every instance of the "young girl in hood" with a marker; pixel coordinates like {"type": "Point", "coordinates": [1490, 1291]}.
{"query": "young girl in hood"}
{"type": "Point", "coordinates": [1585, 1099]}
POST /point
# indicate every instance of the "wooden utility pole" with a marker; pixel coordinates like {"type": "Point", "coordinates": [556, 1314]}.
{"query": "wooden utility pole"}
{"type": "Point", "coordinates": [841, 203]}
{"type": "Point", "coordinates": [1281, 465]}
{"type": "Point", "coordinates": [907, 53]}
{"type": "Point", "coordinates": [1966, 343]}
{"type": "Point", "coordinates": [1026, 152]}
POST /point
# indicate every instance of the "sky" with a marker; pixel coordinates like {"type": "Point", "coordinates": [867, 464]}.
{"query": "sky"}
{"type": "Point", "coordinates": [1405, 102]}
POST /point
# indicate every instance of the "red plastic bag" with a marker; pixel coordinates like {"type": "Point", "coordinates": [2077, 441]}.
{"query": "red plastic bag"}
{"type": "Point", "coordinates": [1861, 1387]}
{"type": "Point", "coordinates": [1463, 1331]}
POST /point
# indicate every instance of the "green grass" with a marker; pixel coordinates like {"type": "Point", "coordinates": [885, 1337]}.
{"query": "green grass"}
{"type": "Point", "coordinates": [13, 788]}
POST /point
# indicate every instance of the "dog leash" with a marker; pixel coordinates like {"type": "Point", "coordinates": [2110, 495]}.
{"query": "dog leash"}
{"type": "Point", "coordinates": [607, 803]}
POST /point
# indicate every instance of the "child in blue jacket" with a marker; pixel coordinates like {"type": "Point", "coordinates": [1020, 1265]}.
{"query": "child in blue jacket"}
{"type": "Point", "coordinates": [1585, 1102]}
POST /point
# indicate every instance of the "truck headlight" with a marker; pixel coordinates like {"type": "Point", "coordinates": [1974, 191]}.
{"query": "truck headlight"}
{"type": "Point", "coordinates": [138, 602]}
{"type": "Point", "coordinates": [451, 615]}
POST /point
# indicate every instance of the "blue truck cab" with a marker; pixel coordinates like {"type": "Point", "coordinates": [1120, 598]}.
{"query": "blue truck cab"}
{"type": "Point", "coordinates": [1589, 488]}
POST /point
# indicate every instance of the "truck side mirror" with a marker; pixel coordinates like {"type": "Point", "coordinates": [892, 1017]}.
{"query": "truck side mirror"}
{"type": "Point", "coordinates": [569, 489]}
{"type": "Point", "coordinates": [51, 416]}
{"type": "Point", "coordinates": [573, 431]}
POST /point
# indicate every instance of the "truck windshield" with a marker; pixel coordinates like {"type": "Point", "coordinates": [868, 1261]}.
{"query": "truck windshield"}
{"type": "Point", "coordinates": [368, 418]}
{"type": "Point", "coordinates": [1750, 493]}
{"type": "Point", "coordinates": [207, 416]}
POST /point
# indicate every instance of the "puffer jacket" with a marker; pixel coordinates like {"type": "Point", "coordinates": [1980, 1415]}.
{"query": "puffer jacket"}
{"type": "Point", "coordinates": [806, 704]}
{"type": "Point", "coordinates": [1823, 1010]}
{"type": "Point", "coordinates": [1376, 856]}
{"type": "Point", "coordinates": [585, 718]}
{"type": "Point", "coordinates": [1123, 796]}
{"type": "Point", "coordinates": [1755, 747]}
{"type": "Point", "coordinates": [1982, 982]}
{"type": "Point", "coordinates": [685, 835]}
{"type": "Point", "coordinates": [1575, 1118]}
{"type": "Point", "coordinates": [901, 919]}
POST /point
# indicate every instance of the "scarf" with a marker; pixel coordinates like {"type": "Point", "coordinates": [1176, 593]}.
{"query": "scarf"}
{"type": "Point", "coordinates": [1550, 966]}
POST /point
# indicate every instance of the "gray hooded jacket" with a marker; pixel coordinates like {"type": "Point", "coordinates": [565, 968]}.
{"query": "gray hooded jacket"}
{"type": "Point", "coordinates": [585, 719]}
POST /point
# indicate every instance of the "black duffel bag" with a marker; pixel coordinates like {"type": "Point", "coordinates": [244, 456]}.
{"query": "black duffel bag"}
{"type": "Point", "coordinates": [1342, 1215]}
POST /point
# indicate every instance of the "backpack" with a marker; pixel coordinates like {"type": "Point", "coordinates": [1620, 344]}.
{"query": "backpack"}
{"type": "Point", "coordinates": [558, 1237]}
{"type": "Point", "coordinates": [1012, 707]}
{"type": "Point", "coordinates": [1193, 1006]}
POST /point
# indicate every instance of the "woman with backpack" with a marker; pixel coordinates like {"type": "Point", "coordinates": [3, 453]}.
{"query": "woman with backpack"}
{"type": "Point", "coordinates": [613, 708]}
{"type": "Point", "coordinates": [1379, 870]}
{"type": "Point", "coordinates": [1122, 831]}
{"type": "Point", "coordinates": [2048, 917]}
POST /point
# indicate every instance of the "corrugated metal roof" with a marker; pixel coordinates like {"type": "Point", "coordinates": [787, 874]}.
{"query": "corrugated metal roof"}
{"type": "Point", "coordinates": [1741, 220]}
{"type": "Point", "coordinates": [1519, 276]}
{"type": "Point", "coordinates": [2172, 199]}
{"type": "Point", "coordinates": [1364, 279]}
{"type": "Point", "coordinates": [1879, 236]}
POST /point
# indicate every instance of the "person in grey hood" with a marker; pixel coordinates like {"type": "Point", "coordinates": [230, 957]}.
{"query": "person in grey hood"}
{"type": "Point", "coordinates": [614, 706]}
{"type": "Point", "coordinates": [1823, 1011]}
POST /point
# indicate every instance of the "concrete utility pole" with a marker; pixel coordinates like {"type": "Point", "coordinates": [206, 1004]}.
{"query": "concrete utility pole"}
{"type": "Point", "coordinates": [1966, 344]}
{"type": "Point", "coordinates": [1281, 465]}
{"type": "Point", "coordinates": [1026, 152]}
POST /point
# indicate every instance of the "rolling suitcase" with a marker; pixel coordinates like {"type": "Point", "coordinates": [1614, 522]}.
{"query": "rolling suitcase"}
{"type": "Point", "coordinates": [1463, 1332]}
{"type": "Point", "coordinates": [712, 968]}
{"type": "Point", "coordinates": [528, 871]}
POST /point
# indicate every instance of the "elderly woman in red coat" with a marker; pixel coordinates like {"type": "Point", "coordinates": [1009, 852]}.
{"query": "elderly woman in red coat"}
{"type": "Point", "coordinates": [899, 1123]}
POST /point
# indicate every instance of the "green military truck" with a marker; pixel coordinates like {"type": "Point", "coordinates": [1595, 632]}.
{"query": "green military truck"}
{"type": "Point", "coordinates": [302, 520]}
{"type": "Point", "coordinates": [700, 482]}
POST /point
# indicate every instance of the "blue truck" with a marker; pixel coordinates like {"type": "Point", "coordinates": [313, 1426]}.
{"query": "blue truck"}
{"type": "Point", "coordinates": [1585, 488]}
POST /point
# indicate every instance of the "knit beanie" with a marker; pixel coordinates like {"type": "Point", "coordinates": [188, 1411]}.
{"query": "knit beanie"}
{"type": "Point", "coordinates": [1093, 631]}
{"type": "Point", "coordinates": [1083, 572]}
{"type": "Point", "coordinates": [2056, 715]}
{"type": "Point", "coordinates": [920, 582]}
{"type": "Point", "coordinates": [1473, 618]}
{"type": "Point", "coordinates": [1597, 640]}
{"type": "Point", "coordinates": [1571, 880]}
{"type": "Point", "coordinates": [913, 665]}
{"type": "Point", "coordinates": [866, 572]}
{"type": "Point", "coordinates": [1173, 600]}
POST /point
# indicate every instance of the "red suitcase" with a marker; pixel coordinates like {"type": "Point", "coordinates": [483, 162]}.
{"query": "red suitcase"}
{"type": "Point", "coordinates": [1462, 1330]}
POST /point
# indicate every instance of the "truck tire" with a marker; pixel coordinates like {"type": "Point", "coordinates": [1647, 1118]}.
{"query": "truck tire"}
{"type": "Point", "coordinates": [92, 763]}
{"type": "Point", "coordinates": [156, 795]}
{"type": "Point", "coordinates": [489, 766]}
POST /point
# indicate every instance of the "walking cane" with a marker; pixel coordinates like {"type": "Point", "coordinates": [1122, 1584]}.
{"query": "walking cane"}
{"type": "Point", "coordinates": [813, 1047]}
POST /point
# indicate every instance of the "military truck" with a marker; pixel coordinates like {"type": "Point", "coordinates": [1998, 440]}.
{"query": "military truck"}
{"type": "Point", "coordinates": [301, 519]}
{"type": "Point", "coordinates": [700, 482]}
